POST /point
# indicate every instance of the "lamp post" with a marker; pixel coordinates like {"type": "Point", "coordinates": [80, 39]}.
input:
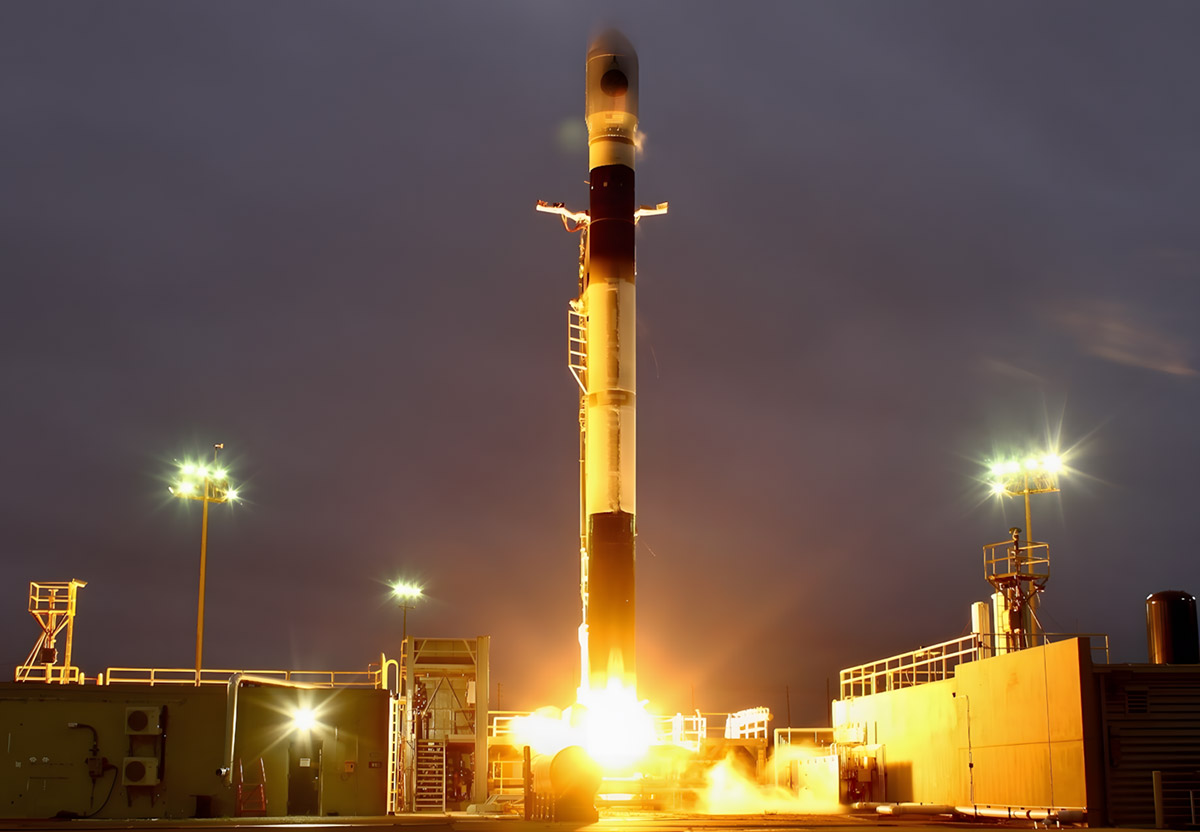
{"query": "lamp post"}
{"type": "Point", "coordinates": [1036, 474]}
{"type": "Point", "coordinates": [207, 484]}
{"type": "Point", "coordinates": [407, 594]}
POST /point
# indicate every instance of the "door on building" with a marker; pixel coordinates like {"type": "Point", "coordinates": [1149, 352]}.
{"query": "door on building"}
{"type": "Point", "coordinates": [304, 778]}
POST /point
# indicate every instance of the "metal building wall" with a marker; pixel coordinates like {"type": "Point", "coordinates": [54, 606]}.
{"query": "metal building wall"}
{"type": "Point", "coordinates": [44, 762]}
{"type": "Point", "coordinates": [1020, 718]}
{"type": "Point", "coordinates": [1151, 722]}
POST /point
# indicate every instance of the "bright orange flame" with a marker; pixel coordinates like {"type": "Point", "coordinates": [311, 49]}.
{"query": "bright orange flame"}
{"type": "Point", "coordinates": [546, 731]}
{"type": "Point", "coordinates": [612, 725]}
{"type": "Point", "coordinates": [617, 730]}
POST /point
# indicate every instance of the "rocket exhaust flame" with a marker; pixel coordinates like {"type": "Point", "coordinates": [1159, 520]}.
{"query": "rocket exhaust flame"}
{"type": "Point", "coordinates": [612, 725]}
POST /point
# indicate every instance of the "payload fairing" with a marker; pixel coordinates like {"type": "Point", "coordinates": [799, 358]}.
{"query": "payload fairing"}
{"type": "Point", "coordinates": [603, 356]}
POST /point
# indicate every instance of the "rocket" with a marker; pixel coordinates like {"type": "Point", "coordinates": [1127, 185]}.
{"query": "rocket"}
{"type": "Point", "coordinates": [602, 348]}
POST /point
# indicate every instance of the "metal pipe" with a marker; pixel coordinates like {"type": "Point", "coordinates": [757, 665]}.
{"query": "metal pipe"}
{"type": "Point", "coordinates": [203, 565]}
{"type": "Point", "coordinates": [914, 809]}
{"type": "Point", "coordinates": [231, 698]}
{"type": "Point", "coordinates": [1159, 813]}
{"type": "Point", "coordinates": [1060, 815]}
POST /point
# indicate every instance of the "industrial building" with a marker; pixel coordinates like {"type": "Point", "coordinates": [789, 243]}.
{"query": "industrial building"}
{"type": "Point", "coordinates": [153, 743]}
{"type": "Point", "coordinates": [1050, 731]}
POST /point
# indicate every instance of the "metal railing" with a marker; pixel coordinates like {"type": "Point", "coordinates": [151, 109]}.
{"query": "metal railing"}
{"type": "Point", "coordinates": [684, 730]}
{"type": "Point", "coordinates": [938, 661]}
{"type": "Point", "coordinates": [370, 678]}
{"type": "Point", "coordinates": [750, 723]}
{"type": "Point", "coordinates": [508, 776]}
{"type": "Point", "coordinates": [501, 722]}
{"type": "Point", "coordinates": [818, 738]}
{"type": "Point", "coordinates": [50, 673]}
{"type": "Point", "coordinates": [1005, 561]}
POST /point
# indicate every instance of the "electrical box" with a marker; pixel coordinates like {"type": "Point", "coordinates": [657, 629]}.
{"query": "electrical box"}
{"type": "Point", "coordinates": [143, 720]}
{"type": "Point", "coordinates": [139, 771]}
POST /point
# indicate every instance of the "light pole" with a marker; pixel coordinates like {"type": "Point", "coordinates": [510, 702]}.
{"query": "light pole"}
{"type": "Point", "coordinates": [407, 594]}
{"type": "Point", "coordinates": [208, 484]}
{"type": "Point", "coordinates": [1036, 474]}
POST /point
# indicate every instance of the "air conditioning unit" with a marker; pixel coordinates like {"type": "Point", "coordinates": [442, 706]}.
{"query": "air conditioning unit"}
{"type": "Point", "coordinates": [143, 720]}
{"type": "Point", "coordinates": [139, 771]}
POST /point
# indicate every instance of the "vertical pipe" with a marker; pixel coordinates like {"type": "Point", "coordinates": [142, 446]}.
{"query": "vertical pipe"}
{"type": "Point", "coordinates": [66, 671]}
{"type": "Point", "coordinates": [483, 684]}
{"type": "Point", "coordinates": [1156, 779]}
{"type": "Point", "coordinates": [203, 567]}
{"type": "Point", "coordinates": [1030, 618]}
{"type": "Point", "coordinates": [527, 778]}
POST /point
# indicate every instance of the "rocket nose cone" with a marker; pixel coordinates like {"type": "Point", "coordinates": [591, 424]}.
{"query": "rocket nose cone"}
{"type": "Point", "coordinates": [611, 101]}
{"type": "Point", "coordinates": [611, 42]}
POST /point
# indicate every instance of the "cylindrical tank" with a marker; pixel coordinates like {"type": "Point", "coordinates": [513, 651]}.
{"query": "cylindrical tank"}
{"type": "Point", "coordinates": [565, 785]}
{"type": "Point", "coordinates": [1171, 633]}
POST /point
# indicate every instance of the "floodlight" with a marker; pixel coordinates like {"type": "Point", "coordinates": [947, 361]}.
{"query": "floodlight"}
{"type": "Point", "coordinates": [406, 590]}
{"type": "Point", "coordinates": [304, 719]}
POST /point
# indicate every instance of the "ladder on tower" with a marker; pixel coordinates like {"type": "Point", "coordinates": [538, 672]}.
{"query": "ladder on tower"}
{"type": "Point", "coordinates": [577, 343]}
{"type": "Point", "coordinates": [430, 779]}
{"type": "Point", "coordinates": [396, 756]}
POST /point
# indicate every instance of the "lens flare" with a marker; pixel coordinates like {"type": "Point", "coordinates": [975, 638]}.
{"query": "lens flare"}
{"type": "Point", "coordinates": [304, 719]}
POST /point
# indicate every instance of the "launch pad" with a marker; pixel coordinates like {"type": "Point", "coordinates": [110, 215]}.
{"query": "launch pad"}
{"type": "Point", "coordinates": [1009, 722]}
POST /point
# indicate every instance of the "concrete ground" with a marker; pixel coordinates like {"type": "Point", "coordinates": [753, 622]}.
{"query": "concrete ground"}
{"type": "Point", "coordinates": [456, 822]}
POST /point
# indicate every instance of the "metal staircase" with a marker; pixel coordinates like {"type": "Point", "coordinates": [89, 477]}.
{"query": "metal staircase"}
{"type": "Point", "coordinates": [430, 780]}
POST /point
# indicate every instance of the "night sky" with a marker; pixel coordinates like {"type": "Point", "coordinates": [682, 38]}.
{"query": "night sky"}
{"type": "Point", "coordinates": [902, 238]}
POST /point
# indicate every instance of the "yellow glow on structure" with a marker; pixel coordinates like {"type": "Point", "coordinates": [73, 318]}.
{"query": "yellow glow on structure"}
{"type": "Point", "coordinates": [731, 790]}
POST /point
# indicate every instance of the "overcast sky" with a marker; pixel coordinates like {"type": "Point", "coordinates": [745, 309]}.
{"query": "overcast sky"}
{"type": "Point", "coordinates": [902, 238]}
